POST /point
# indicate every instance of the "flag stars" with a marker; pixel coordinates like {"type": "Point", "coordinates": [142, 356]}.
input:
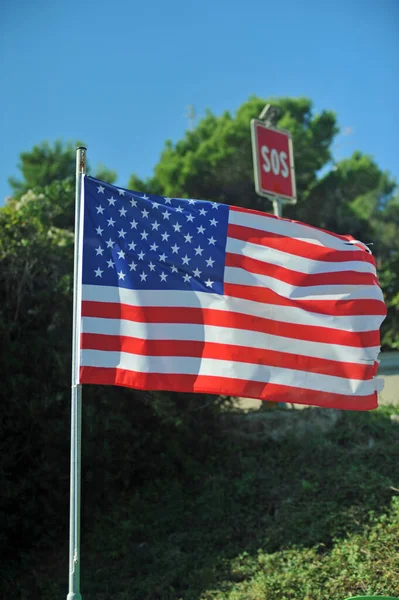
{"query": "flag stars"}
{"type": "Point", "coordinates": [202, 212]}
{"type": "Point", "coordinates": [188, 238]}
{"type": "Point", "coordinates": [98, 272]}
{"type": "Point", "coordinates": [111, 222]}
{"type": "Point", "coordinates": [123, 212]}
{"type": "Point", "coordinates": [175, 249]}
{"type": "Point", "coordinates": [165, 236]}
{"type": "Point", "coordinates": [198, 250]}
{"type": "Point", "coordinates": [110, 243]}
{"type": "Point", "coordinates": [133, 203]}
{"type": "Point", "coordinates": [201, 229]}
{"type": "Point", "coordinates": [168, 200]}
{"type": "Point", "coordinates": [121, 254]}
{"type": "Point", "coordinates": [191, 201]}
{"type": "Point", "coordinates": [166, 214]}
{"type": "Point", "coordinates": [209, 283]}
{"type": "Point", "coordinates": [152, 266]}
{"type": "Point", "coordinates": [179, 209]}
{"type": "Point", "coordinates": [212, 241]}
{"type": "Point", "coordinates": [111, 264]}
{"type": "Point", "coordinates": [177, 227]}
{"type": "Point", "coordinates": [190, 218]}
{"type": "Point", "coordinates": [174, 269]}
{"type": "Point", "coordinates": [143, 276]}
{"type": "Point", "coordinates": [186, 260]}
{"type": "Point", "coordinates": [145, 197]}
{"type": "Point", "coordinates": [213, 222]}
{"type": "Point", "coordinates": [132, 246]}
{"type": "Point", "coordinates": [155, 225]}
{"type": "Point", "coordinates": [99, 231]}
{"type": "Point", "coordinates": [122, 233]}
{"type": "Point", "coordinates": [99, 251]}
{"type": "Point", "coordinates": [197, 273]}
{"type": "Point", "coordinates": [154, 247]}
{"type": "Point", "coordinates": [112, 201]}
{"type": "Point", "coordinates": [186, 278]}
{"type": "Point", "coordinates": [145, 213]}
{"type": "Point", "coordinates": [144, 235]}
{"type": "Point", "coordinates": [133, 266]}
{"type": "Point", "coordinates": [141, 255]}
{"type": "Point", "coordinates": [100, 189]}
{"type": "Point", "coordinates": [133, 224]}
{"type": "Point", "coordinates": [99, 209]}
{"type": "Point", "coordinates": [162, 257]}
{"type": "Point", "coordinates": [210, 262]}
{"type": "Point", "coordinates": [163, 276]}
{"type": "Point", "coordinates": [121, 275]}
{"type": "Point", "coordinates": [121, 192]}
{"type": "Point", "coordinates": [215, 205]}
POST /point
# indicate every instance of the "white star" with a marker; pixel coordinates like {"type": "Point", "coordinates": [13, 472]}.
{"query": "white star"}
{"type": "Point", "coordinates": [100, 209]}
{"type": "Point", "coordinates": [152, 266]}
{"type": "Point", "coordinates": [168, 200]}
{"type": "Point", "coordinates": [213, 222]}
{"type": "Point", "coordinates": [188, 238]}
{"type": "Point", "coordinates": [177, 227]}
{"type": "Point", "coordinates": [163, 276]}
{"type": "Point", "coordinates": [99, 251]}
{"type": "Point", "coordinates": [197, 272]}
{"type": "Point", "coordinates": [121, 275]}
{"type": "Point", "coordinates": [162, 257]}
{"type": "Point", "coordinates": [209, 262]}
{"type": "Point", "coordinates": [99, 231]}
{"type": "Point", "coordinates": [121, 192]}
{"type": "Point", "coordinates": [145, 197]}
{"type": "Point", "coordinates": [165, 236]}
{"type": "Point", "coordinates": [141, 255]}
{"type": "Point", "coordinates": [201, 229]}
{"type": "Point", "coordinates": [175, 249]}
{"type": "Point", "coordinates": [110, 243]}
{"type": "Point", "coordinates": [198, 250]}
{"type": "Point", "coordinates": [186, 260]}
{"type": "Point", "coordinates": [179, 209]}
{"type": "Point", "coordinates": [121, 254]}
{"type": "Point", "coordinates": [215, 205]}
{"type": "Point", "coordinates": [212, 241]}
{"type": "Point", "coordinates": [133, 224]}
{"type": "Point", "coordinates": [144, 235]}
{"type": "Point", "coordinates": [110, 264]}
{"type": "Point", "coordinates": [143, 276]}
{"type": "Point", "coordinates": [145, 213]}
{"type": "Point", "coordinates": [123, 212]}
{"type": "Point", "coordinates": [186, 278]}
{"type": "Point", "coordinates": [133, 266]}
{"type": "Point", "coordinates": [112, 201]}
{"type": "Point", "coordinates": [190, 218]}
{"type": "Point", "coordinates": [155, 204]}
{"type": "Point", "coordinates": [202, 212]}
{"type": "Point", "coordinates": [132, 246]}
{"type": "Point", "coordinates": [133, 202]}
{"type": "Point", "coordinates": [209, 283]}
{"type": "Point", "coordinates": [174, 269]}
{"type": "Point", "coordinates": [154, 247]}
{"type": "Point", "coordinates": [166, 215]}
{"type": "Point", "coordinates": [122, 233]}
{"type": "Point", "coordinates": [155, 225]}
{"type": "Point", "coordinates": [191, 201]}
{"type": "Point", "coordinates": [110, 222]}
{"type": "Point", "coordinates": [99, 272]}
{"type": "Point", "coordinates": [100, 189]}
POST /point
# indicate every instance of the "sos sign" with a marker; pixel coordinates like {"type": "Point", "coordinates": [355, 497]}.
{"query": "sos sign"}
{"type": "Point", "coordinates": [273, 162]}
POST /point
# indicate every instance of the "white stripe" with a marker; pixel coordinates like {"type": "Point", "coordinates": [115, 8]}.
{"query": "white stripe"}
{"type": "Point", "coordinates": [239, 276]}
{"type": "Point", "coordinates": [292, 261]}
{"type": "Point", "coordinates": [290, 229]}
{"type": "Point", "coordinates": [228, 335]}
{"type": "Point", "coordinates": [222, 368]}
{"type": "Point", "coordinates": [189, 299]}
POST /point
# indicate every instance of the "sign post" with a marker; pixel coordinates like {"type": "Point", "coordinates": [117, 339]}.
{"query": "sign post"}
{"type": "Point", "coordinates": [273, 159]}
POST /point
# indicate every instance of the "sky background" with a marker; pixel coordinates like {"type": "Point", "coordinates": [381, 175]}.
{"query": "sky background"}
{"type": "Point", "coordinates": [119, 75]}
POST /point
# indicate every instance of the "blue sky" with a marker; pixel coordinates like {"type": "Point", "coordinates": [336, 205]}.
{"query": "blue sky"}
{"type": "Point", "coordinates": [119, 75]}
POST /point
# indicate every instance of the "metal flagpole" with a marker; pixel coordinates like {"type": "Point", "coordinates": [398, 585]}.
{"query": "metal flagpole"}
{"type": "Point", "coordinates": [76, 392]}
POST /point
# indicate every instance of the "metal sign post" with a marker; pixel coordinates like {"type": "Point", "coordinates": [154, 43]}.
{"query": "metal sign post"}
{"type": "Point", "coordinates": [273, 159]}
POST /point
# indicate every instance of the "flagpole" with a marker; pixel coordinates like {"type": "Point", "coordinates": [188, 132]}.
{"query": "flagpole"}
{"type": "Point", "coordinates": [76, 393]}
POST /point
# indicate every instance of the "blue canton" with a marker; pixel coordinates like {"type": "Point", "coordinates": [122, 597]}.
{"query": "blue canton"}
{"type": "Point", "coordinates": [143, 242]}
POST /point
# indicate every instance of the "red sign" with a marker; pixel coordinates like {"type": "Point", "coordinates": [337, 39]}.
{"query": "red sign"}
{"type": "Point", "coordinates": [273, 162]}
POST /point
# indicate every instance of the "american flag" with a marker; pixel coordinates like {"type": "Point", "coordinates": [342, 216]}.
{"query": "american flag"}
{"type": "Point", "coordinates": [196, 296]}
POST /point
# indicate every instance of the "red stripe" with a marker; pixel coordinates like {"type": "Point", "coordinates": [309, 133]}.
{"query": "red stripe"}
{"type": "Point", "coordinates": [297, 247]}
{"type": "Point", "coordinates": [324, 307]}
{"type": "Point", "coordinates": [219, 318]}
{"type": "Point", "coordinates": [299, 279]}
{"type": "Point", "coordinates": [131, 345]}
{"type": "Point", "coordinates": [201, 384]}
